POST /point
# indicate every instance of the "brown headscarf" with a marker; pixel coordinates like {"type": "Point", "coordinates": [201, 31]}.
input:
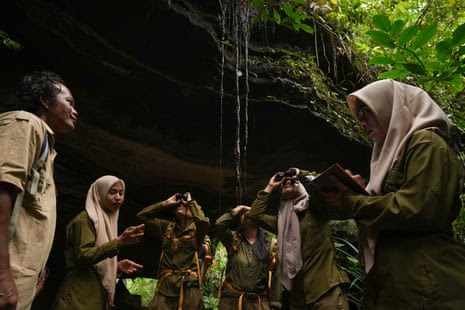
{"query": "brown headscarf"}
{"type": "Point", "coordinates": [401, 109]}
{"type": "Point", "coordinates": [106, 227]}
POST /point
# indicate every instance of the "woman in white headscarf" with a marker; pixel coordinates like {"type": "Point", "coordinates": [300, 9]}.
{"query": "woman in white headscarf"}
{"type": "Point", "coordinates": [306, 258]}
{"type": "Point", "coordinates": [91, 248]}
{"type": "Point", "coordinates": [411, 257]}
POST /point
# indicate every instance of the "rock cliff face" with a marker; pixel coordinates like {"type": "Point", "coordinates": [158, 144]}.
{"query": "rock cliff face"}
{"type": "Point", "coordinates": [146, 76]}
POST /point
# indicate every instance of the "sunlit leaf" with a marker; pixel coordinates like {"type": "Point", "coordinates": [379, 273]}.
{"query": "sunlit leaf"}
{"type": "Point", "coordinates": [456, 81]}
{"type": "Point", "coordinates": [380, 38]}
{"type": "Point", "coordinates": [276, 17]}
{"type": "Point", "coordinates": [407, 35]}
{"type": "Point", "coordinates": [433, 65]}
{"type": "Point", "coordinates": [458, 37]}
{"type": "Point", "coordinates": [380, 60]}
{"type": "Point", "coordinates": [306, 28]}
{"type": "Point", "coordinates": [396, 27]}
{"type": "Point", "coordinates": [392, 74]}
{"type": "Point", "coordinates": [382, 22]}
{"type": "Point", "coordinates": [425, 35]}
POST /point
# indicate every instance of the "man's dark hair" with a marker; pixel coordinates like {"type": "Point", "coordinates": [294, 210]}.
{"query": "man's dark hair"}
{"type": "Point", "coordinates": [35, 86]}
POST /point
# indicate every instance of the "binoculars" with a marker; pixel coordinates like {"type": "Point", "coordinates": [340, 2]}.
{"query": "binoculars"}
{"type": "Point", "coordinates": [181, 196]}
{"type": "Point", "coordinates": [280, 175]}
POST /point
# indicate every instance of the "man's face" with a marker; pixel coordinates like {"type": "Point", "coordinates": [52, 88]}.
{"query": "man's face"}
{"type": "Point", "coordinates": [61, 115]}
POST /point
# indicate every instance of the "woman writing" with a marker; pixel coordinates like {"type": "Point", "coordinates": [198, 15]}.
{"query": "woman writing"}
{"type": "Point", "coordinates": [411, 257]}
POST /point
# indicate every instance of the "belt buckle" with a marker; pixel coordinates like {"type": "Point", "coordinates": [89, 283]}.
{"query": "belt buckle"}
{"type": "Point", "coordinates": [251, 296]}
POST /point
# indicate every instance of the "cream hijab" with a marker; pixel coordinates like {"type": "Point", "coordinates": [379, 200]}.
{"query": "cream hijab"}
{"type": "Point", "coordinates": [401, 110]}
{"type": "Point", "coordinates": [106, 227]}
{"type": "Point", "coordinates": [289, 240]}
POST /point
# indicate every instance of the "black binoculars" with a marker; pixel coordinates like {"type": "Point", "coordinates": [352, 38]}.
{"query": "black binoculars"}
{"type": "Point", "coordinates": [280, 175]}
{"type": "Point", "coordinates": [181, 196]}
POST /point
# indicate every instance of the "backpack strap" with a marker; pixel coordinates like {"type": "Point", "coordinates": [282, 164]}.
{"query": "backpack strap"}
{"type": "Point", "coordinates": [273, 259]}
{"type": "Point", "coordinates": [32, 184]}
{"type": "Point", "coordinates": [168, 235]}
{"type": "Point", "coordinates": [236, 240]}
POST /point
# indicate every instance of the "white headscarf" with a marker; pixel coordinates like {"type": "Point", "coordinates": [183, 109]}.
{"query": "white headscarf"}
{"type": "Point", "coordinates": [289, 241]}
{"type": "Point", "coordinates": [400, 109]}
{"type": "Point", "coordinates": [106, 227]}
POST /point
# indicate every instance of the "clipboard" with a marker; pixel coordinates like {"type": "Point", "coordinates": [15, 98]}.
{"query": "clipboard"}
{"type": "Point", "coordinates": [323, 181]}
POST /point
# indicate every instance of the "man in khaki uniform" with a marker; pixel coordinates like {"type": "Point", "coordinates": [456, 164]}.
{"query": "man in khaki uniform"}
{"type": "Point", "coordinates": [45, 107]}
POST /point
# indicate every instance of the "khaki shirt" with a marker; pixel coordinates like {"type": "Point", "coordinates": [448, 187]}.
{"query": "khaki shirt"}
{"type": "Point", "coordinates": [320, 271]}
{"type": "Point", "coordinates": [21, 137]}
{"type": "Point", "coordinates": [180, 255]}
{"type": "Point", "coordinates": [418, 264]}
{"type": "Point", "coordinates": [81, 254]}
{"type": "Point", "coordinates": [244, 271]}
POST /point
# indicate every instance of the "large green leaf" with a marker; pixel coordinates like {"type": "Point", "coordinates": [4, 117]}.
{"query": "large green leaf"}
{"type": "Point", "coordinates": [393, 74]}
{"type": "Point", "coordinates": [425, 35]}
{"type": "Point", "coordinates": [397, 27]}
{"type": "Point", "coordinates": [380, 60]}
{"type": "Point", "coordinates": [306, 28]}
{"type": "Point", "coordinates": [455, 80]}
{"type": "Point", "coordinates": [407, 35]}
{"type": "Point", "coordinates": [458, 37]}
{"type": "Point", "coordinates": [444, 49]}
{"type": "Point", "coordinates": [433, 65]}
{"type": "Point", "coordinates": [276, 17]}
{"type": "Point", "coordinates": [382, 22]}
{"type": "Point", "coordinates": [381, 38]}
{"type": "Point", "coordinates": [414, 68]}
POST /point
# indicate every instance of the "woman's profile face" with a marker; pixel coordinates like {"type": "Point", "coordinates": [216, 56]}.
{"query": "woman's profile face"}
{"type": "Point", "coordinates": [370, 125]}
{"type": "Point", "coordinates": [114, 198]}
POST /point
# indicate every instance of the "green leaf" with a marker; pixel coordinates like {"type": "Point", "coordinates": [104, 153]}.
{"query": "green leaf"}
{"type": "Point", "coordinates": [382, 22]}
{"type": "Point", "coordinates": [380, 38]}
{"type": "Point", "coordinates": [380, 60]}
{"type": "Point", "coordinates": [258, 3]}
{"type": "Point", "coordinates": [455, 80]}
{"type": "Point", "coordinates": [287, 8]}
{"type": "Point", "coordinates": [414, 68]}
{"type": "Point", "coordinates": [458, 37]}
{"type": "Point", "coordinates": [265, 16]}
{"type": "Point", "coordinates": [444, 49]}
{"type": "Point", "coordinates": [407, 35]}
{"type": "Point", "coordinates": [276, 17]}
{"type": "Point", "coordinates": [398, 57]}
{"type": "Point", "coordinates": [433, 66]}
{"type": "Point", "coordinates": [392, 74]}
{"type": "Point", "coordinates": [306, 28]}
{"type": "Point", "coordinates": [396, 27]}
{"type": "Point", "coordinates": [425, 35]}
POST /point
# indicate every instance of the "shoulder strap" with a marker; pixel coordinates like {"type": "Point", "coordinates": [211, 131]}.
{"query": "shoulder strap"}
{"type": "Point", "coordinates": [32, 184]}
{"type": "Point", "coordinates": [235, 243]}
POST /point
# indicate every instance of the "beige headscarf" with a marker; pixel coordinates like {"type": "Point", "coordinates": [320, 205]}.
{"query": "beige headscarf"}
{"type": "Point", "coordinates": [401, 110]}
{"type": "Point", "coordinates": [106, 227]}
{"type": "Point", "coordinates": [289, 241]}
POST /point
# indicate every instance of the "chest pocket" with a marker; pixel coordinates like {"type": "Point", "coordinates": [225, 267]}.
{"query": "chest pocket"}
{"type": "Point", "coordinates": [35, 188]}
{"type": "Point", "coordinates": [395, 178]}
